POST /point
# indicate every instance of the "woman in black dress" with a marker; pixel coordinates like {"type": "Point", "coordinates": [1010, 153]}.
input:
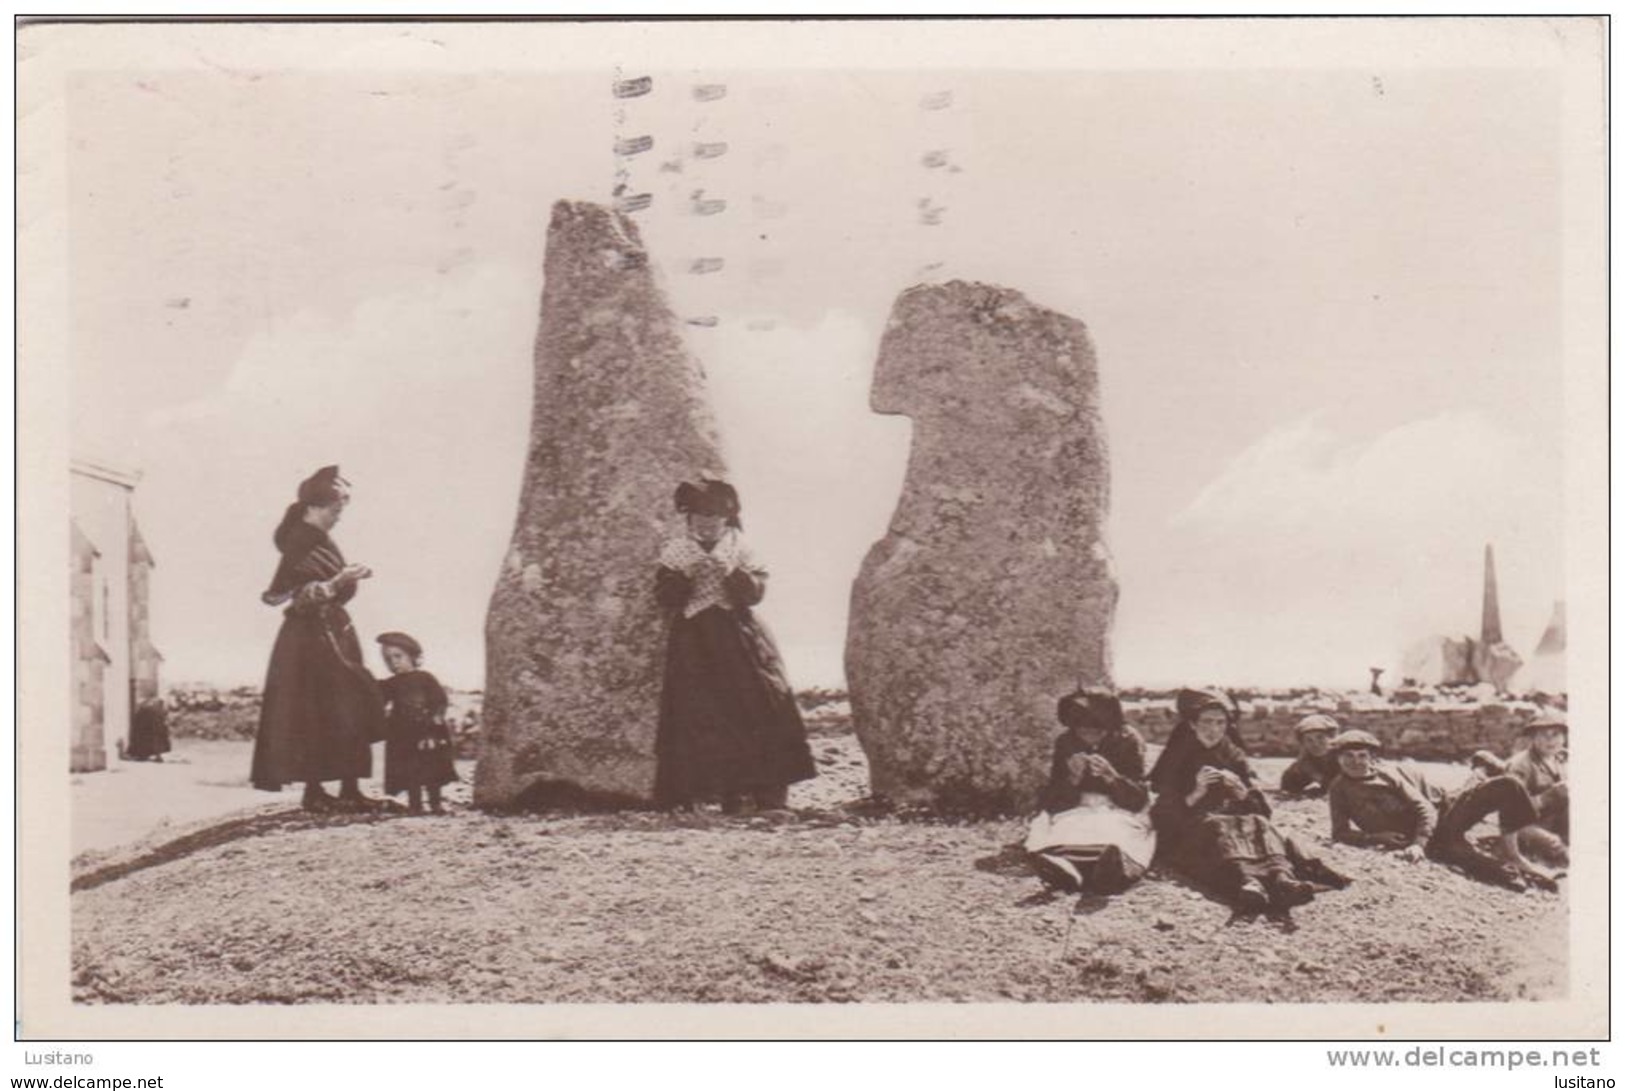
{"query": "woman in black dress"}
{"type": "Point", "coordinates": [1213, 823]}
{"type": "Point", "coordinates": [149, 729]}
{"type": "Point", "coordinates": [321, 710]}
{"type": "Point", "coordinates": [417, 742]}
{"type": "Point", "coordinates": [729, 725]}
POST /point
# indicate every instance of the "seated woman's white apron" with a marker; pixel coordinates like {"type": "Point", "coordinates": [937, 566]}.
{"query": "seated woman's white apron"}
{"type": "Point", "coordinates": [1087, 830]}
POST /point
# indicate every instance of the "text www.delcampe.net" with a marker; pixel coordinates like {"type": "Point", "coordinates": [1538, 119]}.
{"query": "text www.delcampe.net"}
{"type": "Point", "coordinates": [1469, 1057]}
{"type": "Point", "coordinates": [90, 1083]}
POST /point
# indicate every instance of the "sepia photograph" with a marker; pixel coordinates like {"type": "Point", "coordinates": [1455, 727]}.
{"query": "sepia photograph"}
{"type": "Point", "coordinates": [1032, 528]}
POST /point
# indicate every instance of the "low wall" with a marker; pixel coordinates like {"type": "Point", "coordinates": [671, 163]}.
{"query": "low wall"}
{"type": "Point", "coordinates": [1427, 734]}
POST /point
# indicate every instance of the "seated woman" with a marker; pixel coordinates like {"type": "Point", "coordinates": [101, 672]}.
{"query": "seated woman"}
{"type": "Point", "coordinates": [1092, 832]}
{"type": "Point", "coordinates": [1213, 823]}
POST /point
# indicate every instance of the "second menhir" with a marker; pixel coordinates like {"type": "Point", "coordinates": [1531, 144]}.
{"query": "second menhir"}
{"type": "Point", "coordinates": [992, 592]}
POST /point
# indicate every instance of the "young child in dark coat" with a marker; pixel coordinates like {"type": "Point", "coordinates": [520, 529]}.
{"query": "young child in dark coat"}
{"type": "Point", "coordinates": [417, 742]}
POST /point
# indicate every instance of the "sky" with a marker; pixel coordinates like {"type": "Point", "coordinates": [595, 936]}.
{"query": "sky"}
{"type": "Point", "coordinates": [1327, 304]}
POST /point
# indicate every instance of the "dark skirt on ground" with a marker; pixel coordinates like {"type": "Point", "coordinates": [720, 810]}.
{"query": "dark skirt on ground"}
{"type": "Point", "coordinates": [729, 724]}
{"type": "Point", "coordinates": [322, 710]}
{"type": "Point", "coordinates": [1231, 848]}
{"type": "Point", "coordinates": [1222, 851]}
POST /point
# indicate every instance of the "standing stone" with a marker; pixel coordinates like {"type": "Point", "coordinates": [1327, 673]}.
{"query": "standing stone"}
{"type": "Point", "coordinates": [574, 640]}
{"type": "Point", "coordinates": [992, 594]}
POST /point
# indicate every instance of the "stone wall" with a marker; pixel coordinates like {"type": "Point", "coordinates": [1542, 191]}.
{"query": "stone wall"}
{"type": "Point", "coordinates": [1426, 734]}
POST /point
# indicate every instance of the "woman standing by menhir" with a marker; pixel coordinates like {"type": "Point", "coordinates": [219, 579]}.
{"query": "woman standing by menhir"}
{"type": "Point", "coordinates": [729, 726]}
{"type": "Point", "coordinates": [322, 710]}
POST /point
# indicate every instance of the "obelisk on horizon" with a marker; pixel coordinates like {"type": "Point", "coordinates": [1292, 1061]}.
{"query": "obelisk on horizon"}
{"type": "Point", "coordinates": [1494, 660]}
{"type": "Point", "coordinates": [1489, 632]}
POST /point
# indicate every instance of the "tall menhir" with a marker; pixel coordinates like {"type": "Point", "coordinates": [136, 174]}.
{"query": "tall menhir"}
{"type": "Point", "coordinates": [573, 637]}
{"type": "Point", "coordinates": [992, 593]}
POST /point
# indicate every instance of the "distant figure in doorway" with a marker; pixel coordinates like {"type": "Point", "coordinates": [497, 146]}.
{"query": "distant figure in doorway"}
{"type": "Point", "coordinates": [1311, 774]}
{"type": "Point", "coordinates": [1213, 823]}
{"type": "Point", "coordinates": [417, 742]}
{"type": "Point", "coordinates": [321, 709]}
{"type": "Point", "coordinates": [1092, 832]}
{"type": "Point", "coordinates": [149, 731]}
{"type": "Point", "coordinates": [1385, 805]}
{"type": "Point", "coordinates": [729, 726]}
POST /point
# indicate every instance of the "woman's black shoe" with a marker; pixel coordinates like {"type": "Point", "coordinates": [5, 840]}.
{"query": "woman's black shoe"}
{"type": "Point", "coordinates": [1056, 873]}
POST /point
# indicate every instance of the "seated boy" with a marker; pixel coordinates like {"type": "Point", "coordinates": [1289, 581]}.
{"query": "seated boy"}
{"type": "Point", "coordinates": [1541, 768]}
{"type": "Point", "coordinates": [1094, 831]}
{"type": "Point", "coordinates": [1390, 806]}
{"type": "Point", "coordinates": [1311, 774]}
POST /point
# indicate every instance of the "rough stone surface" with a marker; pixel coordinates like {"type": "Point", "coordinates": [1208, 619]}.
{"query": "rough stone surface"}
{"type": "Point", "coordinates": [992, 593]}
{"type": "Point", "coordinates": [1440, 661]}
{"type": "Point", "coordinates": [1496, 664]}
{"type": "Point", "coordinates": [1463, 661]}
{"type": "Point", "coordinates": [1457, 654]}
{"type": "Point", "coordinates": [574, 642]}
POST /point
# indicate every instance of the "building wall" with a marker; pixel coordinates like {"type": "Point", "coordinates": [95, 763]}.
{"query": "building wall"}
{"type": "Point", "coordinates": [87, 748]}
{"type": "Point", "coordinates": [101, 511]}
{"type": "Point", "coordinates": [144, 656]}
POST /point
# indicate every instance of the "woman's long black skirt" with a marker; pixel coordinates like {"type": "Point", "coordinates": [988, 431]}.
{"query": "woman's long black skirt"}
{"type": "Point", "coordinates": [729, 724]}
{"type": "Point", "coordinates": [321, 710]}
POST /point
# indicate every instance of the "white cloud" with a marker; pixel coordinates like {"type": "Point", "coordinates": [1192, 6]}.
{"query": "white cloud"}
{"type": "Point", "coordinates": [1313, 554]}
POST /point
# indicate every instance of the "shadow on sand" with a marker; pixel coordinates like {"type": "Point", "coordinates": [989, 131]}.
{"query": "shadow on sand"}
{"type": "Point", "coordinates": [94, 870]}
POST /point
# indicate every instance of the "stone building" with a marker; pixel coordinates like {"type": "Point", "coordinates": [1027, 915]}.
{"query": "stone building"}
{"type": "Point", "coordinates": [115, 664]}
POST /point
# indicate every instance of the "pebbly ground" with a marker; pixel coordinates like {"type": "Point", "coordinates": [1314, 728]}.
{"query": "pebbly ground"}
{"type": "Point", "coordinates": [824, 904]}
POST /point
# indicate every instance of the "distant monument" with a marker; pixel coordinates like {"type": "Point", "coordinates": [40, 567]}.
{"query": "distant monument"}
{"type": "Point", "coordinates": [574, 640]}
{"type": "Point", "coordinates": [1494, 661]}
{"type": "Point", "coordinates": [992, 593]}
{"type": "Point", "coordinates": [1463, 661]}
{"type": "Point", "coordinates": [1489, 631]}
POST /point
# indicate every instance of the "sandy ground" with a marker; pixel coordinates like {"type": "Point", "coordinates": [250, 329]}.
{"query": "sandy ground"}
{"type": "Point", "coordinates": [199, 779]}
{"type": "Point", "coordinates": [821, 905]}
{"type": "Point", "coordinates": [137, 801]}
